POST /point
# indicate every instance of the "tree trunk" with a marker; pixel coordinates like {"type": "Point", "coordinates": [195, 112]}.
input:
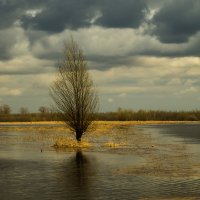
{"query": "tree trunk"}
{"type": "Point", "coordinates": [79, 134]}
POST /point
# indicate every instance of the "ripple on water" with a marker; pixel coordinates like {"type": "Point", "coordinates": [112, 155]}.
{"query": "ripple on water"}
{"type": "Point", "coordinates": [141, 167]}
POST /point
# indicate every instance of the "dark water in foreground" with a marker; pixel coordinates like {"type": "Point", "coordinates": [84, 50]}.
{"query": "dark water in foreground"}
{"type": "Point", "coordinates": [28, 173]}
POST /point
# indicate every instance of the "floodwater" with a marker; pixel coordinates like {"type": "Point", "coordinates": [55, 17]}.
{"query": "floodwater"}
{"type": "Point", "coordinates": [32, 169]}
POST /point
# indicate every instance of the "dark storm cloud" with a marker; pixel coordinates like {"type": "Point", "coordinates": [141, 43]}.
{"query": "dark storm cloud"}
{"type": "Point", "coordinates": [58, 15]}
{"type": "Point", "coordinates": [13, 10]}
{"type": "Point", "coordinates": [122, 14]}
{"type": "Point", "coordinates": [10, 11]}
{"type": "Point", "coordinates": [177, 21]}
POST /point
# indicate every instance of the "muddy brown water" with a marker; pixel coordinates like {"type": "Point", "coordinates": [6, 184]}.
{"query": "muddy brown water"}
{"type": "Point", "coordinates": [31, 169]}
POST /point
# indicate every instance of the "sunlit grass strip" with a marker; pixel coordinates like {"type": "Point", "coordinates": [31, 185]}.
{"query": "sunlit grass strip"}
{"type": "Point", "coordinates": [107, 123]}
{"type": "Point", "coordinates": [70, 143]}
{"type": "Point", "coordinates": [111, 145]}
{"type": "Point", "coordinates": [32, 123]}
{"type": "Point", "coordinates": [98, 128]}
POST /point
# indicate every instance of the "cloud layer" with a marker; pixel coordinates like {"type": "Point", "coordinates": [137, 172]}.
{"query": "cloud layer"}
{"type": "Point", "coordinates": [84, 13]}
{"type": "Point", "coordinates": [136, 50]}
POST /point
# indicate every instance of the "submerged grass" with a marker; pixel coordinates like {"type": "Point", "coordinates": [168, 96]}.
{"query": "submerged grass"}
{"type": "Point", "coordinates": [166, 160]}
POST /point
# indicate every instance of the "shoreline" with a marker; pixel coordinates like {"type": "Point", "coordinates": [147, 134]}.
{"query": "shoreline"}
{"type": "Point", "coordinates": [101, 122]}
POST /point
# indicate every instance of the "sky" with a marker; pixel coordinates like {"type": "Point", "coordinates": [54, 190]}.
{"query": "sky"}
{"type": "Point", "coordinates": [142, 54]}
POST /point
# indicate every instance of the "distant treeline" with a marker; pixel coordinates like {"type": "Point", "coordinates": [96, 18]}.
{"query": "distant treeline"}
{"type": "Point", "coordinates": [29, 117]}
{"type": "Point", "coordinates": [44, 114]}
{"type": "Point", "coordinates": [119, 115]}
{"type": "Point", "coordinates": [148, 115]}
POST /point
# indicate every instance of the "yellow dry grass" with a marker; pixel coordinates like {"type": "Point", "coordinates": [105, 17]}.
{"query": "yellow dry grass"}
{"type": "Point", "coordinates": [111, 145]}
{"type": "Point", "coordinates": [32, 123]}
{"type": "Point", "coordinates": [69, 143]}
{"type": "Point", "coordinates": [102, 123]}
{"type": "Point", "coordinates": [98, 127]}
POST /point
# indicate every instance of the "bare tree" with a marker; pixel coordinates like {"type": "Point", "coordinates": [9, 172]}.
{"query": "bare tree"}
{"type": "Point", "coordinates": [5, 109]}
{"type": "Point", "coordinates": [73, 91]}
{"type": "Point", "coordinates": [24, 111]}
{"type": "Point", "coordinates": [44, 110]}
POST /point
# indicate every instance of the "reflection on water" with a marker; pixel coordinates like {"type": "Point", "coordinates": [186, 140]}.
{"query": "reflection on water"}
{"type": "Point", "coordinates": [28, 173]}
{"type": "Point", "coordinates": [76, 176]}
{"type": "Point", "coordinates": [55, 179]}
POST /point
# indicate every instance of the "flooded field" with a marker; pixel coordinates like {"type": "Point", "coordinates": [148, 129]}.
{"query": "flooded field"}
{"type": "Point", "coordinates": [122, 161]}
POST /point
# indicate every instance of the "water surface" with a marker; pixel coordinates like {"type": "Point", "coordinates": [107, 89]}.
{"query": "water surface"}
{"type": "Point", "coordinates": [31, 169]}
